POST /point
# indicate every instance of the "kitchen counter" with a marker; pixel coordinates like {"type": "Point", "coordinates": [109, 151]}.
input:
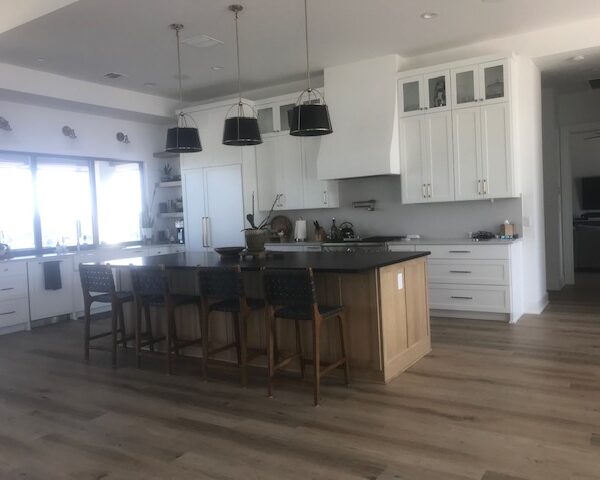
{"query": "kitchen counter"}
{"type": "Point", "coordinates": [421, 241]}
{"type": "Point", "coordinates": [384, 295]}
{"type": "Point", "coordinates": [319, 262]}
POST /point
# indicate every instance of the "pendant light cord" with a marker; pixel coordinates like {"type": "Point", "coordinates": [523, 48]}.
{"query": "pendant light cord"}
{"type": "Point", "coordinates": [179, 75]}
{"type": "Point", "coordinates": [237, 46]}
{"type": "Point", "coordinates": [306, 39]}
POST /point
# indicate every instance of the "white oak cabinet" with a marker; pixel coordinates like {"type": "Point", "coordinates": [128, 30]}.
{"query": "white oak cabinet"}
{"type": "Point", "coordinates": [287, 166]}
{"type": "Point", "coordinates": [426, 158]}
{"type": "Point", "coordinates": [428, 92]}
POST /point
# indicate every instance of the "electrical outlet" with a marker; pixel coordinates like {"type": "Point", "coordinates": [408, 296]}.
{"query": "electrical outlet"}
{"type": "Point", "coordinates": [400, 281]}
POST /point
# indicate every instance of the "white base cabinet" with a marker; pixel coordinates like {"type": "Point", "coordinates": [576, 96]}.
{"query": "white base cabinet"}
{"type": "Point", "coordinates": [473, 280]}
{"type": "Point", "coordinates": [50, 303]}
{"type": "Point", "coordinates": [14, 297]}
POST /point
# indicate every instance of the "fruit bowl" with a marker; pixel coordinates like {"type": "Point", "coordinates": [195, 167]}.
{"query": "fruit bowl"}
{"type": "Point", "coordinates": [229, 251]}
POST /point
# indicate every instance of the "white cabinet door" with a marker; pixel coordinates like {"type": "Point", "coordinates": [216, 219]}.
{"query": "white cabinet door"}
{"type": "Point", "coordinates": [194, 209]}
{"type": "Point", "coordinates": [496, 159]}
{"type": "Point", "coordinates": [439, 161]}
{"type": "Point", "coordinates": [465, 86]}
{"type": "Point", "coordinates": [267, 173]}
{"type": "Point", "coordinates": [317, 193]}
{"type": "Point", "coordinates": [467, 153]}
{"type": "Point", "coordinates": [289, 160]}
{"type": "Point", "coordinates": [49, 303]}
{"type": "Point", "coordinates": [224, 206]}
{"type": "Point", "coordinates": [412, 155]}
{"type": "Point", "coordinates": [436, 90]}
{"type": "Point", "coordinates": [493, 81]}
{"type": "Point", "coordinates": [411, 96]}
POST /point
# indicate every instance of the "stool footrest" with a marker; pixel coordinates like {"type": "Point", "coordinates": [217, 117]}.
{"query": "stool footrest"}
{"type": "Point", "coordinates": [221, 349]}
{"type": "Point", "coordinates": [327, 367]}
{"type": "Point", "coordinates": [286, 360]}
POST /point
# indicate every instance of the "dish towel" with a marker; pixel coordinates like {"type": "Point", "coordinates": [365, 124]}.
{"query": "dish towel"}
{"type": "Point", "coordinates": [52, 280]}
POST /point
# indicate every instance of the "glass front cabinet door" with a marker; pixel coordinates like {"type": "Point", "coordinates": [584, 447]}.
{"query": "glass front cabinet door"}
{"type": "Point", "coordinates": [410, 93]}
{"type": "Point", "coordinates": [483, 83]}
{"type": "Point", "coordinates": [437, 91]}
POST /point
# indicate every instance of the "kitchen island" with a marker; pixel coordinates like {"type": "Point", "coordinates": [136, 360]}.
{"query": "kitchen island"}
{"type": "Point", "coordinates": [384, 294]}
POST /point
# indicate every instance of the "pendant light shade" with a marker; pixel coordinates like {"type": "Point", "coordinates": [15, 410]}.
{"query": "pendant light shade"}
{"type": "Point", "coordinates": [310, 116]}
{"type": "Point", "coordinates": [240, 130]}
{"type": "Point", "coordinates": [182, 138]}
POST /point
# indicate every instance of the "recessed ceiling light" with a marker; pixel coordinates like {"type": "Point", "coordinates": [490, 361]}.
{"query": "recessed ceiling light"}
{"type": "Point", "coordinates": [492, 1]}
{"type": "Point", "coordinates": [114, 75]}
{"type": "Point", "coordinates": [216, 68]}
{"type": "Point", "coordinates": [428, 15]}
{"type": "Point", "coordinates": [578, 58]}
{"type": "Point", "coordinates": [40, 59]}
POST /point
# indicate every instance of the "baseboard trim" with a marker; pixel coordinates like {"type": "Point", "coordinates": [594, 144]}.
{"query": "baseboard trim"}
{"type": "Point", "coordinates": [539, 306]}
{"type": "Point", "coordinates": [496, 317]}
{"type": "Point", "coordinates": [14, 328]}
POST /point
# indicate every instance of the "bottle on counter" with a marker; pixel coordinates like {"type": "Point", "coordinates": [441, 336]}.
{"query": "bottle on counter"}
{"type": "Point", "coordinates": [334, 232]}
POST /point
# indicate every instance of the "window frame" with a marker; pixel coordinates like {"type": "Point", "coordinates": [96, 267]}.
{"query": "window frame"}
{"type": "Point", "coordinates": [91, 164]}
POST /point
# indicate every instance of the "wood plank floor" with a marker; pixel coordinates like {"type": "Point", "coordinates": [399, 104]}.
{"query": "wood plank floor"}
{"type": "Point", "coordinates": [492, 402]}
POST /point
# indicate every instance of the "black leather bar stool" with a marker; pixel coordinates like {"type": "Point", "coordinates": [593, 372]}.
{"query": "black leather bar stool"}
{"type": "Point", "coordinates": [291, 295]}
{"type": "Point", "coordinates": [98, 285]}
{"type": "Point", "coordinates": [151, 289]}
{"type": "Point", "coordinates": [223, 291]}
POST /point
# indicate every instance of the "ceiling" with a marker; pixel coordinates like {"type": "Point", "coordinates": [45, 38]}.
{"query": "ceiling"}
{"type": "Point", "coordinates": [567, 75]}
{"type": "Point", "coordinates": [90, 38]}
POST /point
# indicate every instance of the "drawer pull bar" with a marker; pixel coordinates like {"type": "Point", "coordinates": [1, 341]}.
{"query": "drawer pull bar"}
{"type": "Point", "coordinates": [8, 313]}
{"type": "Point", "coordinates": [6, 289]}
{"type": "Point", "coordinates": [460, 251]}
{"type": "Point", "coordinates": [460, 271]}
{"type": "Point", "coordinates": [462, 298]}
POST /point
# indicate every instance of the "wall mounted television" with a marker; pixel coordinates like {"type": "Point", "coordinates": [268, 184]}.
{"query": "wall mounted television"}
{"type": "Point", "coordinates": [590, 193]}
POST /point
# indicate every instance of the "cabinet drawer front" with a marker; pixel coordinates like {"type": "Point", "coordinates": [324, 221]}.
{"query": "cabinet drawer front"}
{"type": "Point", "coordinates": [477, 298]}
{"type": "Point", "coordinates": [13, 268]}
{"type": "Point", "coordinates": [13, 287]}
{"type": "Point", "coordinates": [13, 312]}
{"type": "Point", "coordinates": [467, 272]}
{"type": "Point", "coordinates": [474, 251]}
{"type": "Point", "coordinates": [402, 248]}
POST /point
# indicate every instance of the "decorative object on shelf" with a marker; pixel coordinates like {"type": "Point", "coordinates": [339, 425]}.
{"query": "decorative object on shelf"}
{"type": "Point", "coordinates": [166, 172]}
{"type": "Point", "coordinates": [320, 233]}
{"type": "Point", "coordinates": [241, 129]}
{"type": "Point", "coordinates": [69, 132]}
{"type": "Point", "coordinates": [182, 138]}
{"type": "Point", "coordinates": [5, 125]}
{"type": "Point", "coordinates": [310, 116]}
{"type": "Point", "coordinates": [147, 220]}
{"type": "Point", "coordinates": [122, 138]}
{"type": "Point", "coordinates": [439, 93]}
{"type": "Point", "coordinates": [256, 236]}
{"type": "Point", "coordinates": [369, 205]}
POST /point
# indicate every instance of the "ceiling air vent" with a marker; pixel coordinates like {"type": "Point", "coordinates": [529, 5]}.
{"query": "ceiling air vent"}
{"type": "Point", "coordinates": [202, 41]}
{"type": "Point", "coordinates": [114, 75]}
{"type": "Point", "coordinates": [595, 83]}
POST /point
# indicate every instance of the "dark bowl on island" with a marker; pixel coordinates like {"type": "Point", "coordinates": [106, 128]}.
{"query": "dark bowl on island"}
{"type": "Point", "coordinates": [229, 251]}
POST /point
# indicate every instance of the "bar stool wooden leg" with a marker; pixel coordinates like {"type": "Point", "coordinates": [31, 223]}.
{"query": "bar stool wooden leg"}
{"type": "Point", "coordinates": [299, 349]}
{"type": "Point", "coordinates": [149, 326]}
{"type": "Point", "coordinates": [243, 323]}
{"type": "Point", "coordinates": [170, 324]}
{"type": "Point", "coordinates": [343, 340]}
{"type": "Point", "coordinates": [204, 332]}
{"type": "Point", "coordinates": [236, 332]}
{"type": "Point", "coordinates": [138, 335]}
{"type": "Point", "coordinates": [114, 320]}
{"type": "Point", "coordinates": [122, 326]}
{"type": "Point", "coordinates": [270, 354]}
{"type": "Point", "coordinates": [317, 358]}
{"type": "Point", "coordinates": [87, 321]}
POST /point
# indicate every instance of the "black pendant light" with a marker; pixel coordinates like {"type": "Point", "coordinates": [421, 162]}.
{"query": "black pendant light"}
{"type": "Point", "coordinates": [240, 129]}
{"type": "Point", "coordinates": [310, 116]}
{"type": "Point", "coordinates": [182, 138]}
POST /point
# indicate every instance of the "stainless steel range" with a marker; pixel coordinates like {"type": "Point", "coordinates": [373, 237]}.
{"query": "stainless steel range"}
{"type": "Point", "coordinates": [370, 244]}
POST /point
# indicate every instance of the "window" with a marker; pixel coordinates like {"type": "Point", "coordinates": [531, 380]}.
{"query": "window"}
{"type": "Point", "coordinates": [119, 200]}
{"type": "Point", "coordinates": [64, 202]}
{"type": "Point", "coordinates": [17, 208]}
{"type": "Point", "coordinates": [47, 200]}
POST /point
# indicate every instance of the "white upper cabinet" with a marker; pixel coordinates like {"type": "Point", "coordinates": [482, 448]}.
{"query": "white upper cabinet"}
{"type": "Point", "coordinates": [466, 124]}
{"type": "Point", "coordinates": [424, 93]}
{"type": "Point", "coordinates": [362, 100]}
{"type": "Point", "coordinates": [426, 158]}
{"type": "Point", "coordinates": [317, 193]}
{"type": "Point", "coordinates": [274, 115]}
{"type": "Point", "coordinates": [482, 83]}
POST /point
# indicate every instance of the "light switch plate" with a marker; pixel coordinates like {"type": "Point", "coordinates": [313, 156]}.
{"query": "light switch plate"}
{"type": "Point", "coordinates": [400, 281]}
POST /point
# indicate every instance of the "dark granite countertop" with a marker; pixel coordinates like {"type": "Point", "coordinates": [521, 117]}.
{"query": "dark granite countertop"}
{"type": "Point", "coordinates": [319, 262]}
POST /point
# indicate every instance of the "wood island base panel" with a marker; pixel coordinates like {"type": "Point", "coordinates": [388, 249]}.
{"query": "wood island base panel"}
{"type": "Point", "coordinates": [385, 301]}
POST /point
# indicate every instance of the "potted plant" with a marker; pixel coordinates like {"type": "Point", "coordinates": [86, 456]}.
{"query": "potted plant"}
{"type": "Point", "coordinates": [257, 235]}
{"type": "Point", "coordinates": [147, 220]}
{"type": "Point", "coordinates": [166, 172]}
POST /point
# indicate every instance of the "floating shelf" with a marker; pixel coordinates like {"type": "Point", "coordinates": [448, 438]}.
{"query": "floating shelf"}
{"type": "Point", "coordinates": [171, 215]}
{"type": "Point", "coordinates": [174, 183]}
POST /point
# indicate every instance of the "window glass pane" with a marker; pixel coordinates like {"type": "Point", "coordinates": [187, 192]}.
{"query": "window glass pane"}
{"type": "Point", "coordinates": [16, 202]}
{"type": "Point", "coordinates": [119, 197]}
{"type": "Point", "coordinates": [64, 199]}
{"type": "Point", "coordinates": [285, 115]}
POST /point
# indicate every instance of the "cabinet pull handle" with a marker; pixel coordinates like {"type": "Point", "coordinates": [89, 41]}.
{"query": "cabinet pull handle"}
{"type": "Point", "coordinates": [8, 313]}
{"type": "Point", "coordinates": [459, 251]}
{"type": "Point", "coordinates": [478, 187]}
{"type": "Point", "coordinates": [6, 289]}
{"type": "Point", "coordinates": [325, 197]}
{"type": "Point", "coordinates": [429, 190]}
{"type": "Point", "coordinates": [461, 298]}
{"type": "Point", "coordinates": [460, 271]}
{"type": "Point", "coordinates": [424, 191]}
{"type": "Point", "coordinates": [204, 243]}
{"type": "Point", "coordinates": [485, 189]}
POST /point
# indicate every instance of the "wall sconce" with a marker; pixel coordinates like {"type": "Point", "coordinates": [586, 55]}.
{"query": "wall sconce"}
{"type": "Point", "coordinates": [122, 138]}
{"type": "Point", "coordinates": [5, 125]}
{"type": "Point", "coordinates": [69, 132]}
